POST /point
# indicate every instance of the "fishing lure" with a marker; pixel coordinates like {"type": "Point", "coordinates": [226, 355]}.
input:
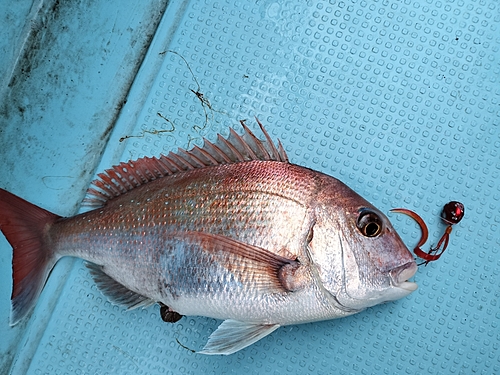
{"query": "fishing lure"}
{"type": "Point", "coordinates": [452, 213]}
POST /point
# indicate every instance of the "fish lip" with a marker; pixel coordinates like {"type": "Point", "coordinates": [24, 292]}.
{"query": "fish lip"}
{"type": "Point", "coordinates": [400, 275]}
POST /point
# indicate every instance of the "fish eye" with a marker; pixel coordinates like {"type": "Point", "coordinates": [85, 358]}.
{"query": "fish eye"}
{"type": "Point", "coordinates": [369, 223]}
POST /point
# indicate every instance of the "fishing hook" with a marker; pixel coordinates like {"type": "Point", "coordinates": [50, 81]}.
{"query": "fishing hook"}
{"type": "Point", "coordinates": [452, 213]}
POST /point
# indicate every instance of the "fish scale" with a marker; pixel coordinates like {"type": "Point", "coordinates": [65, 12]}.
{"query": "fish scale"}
{"type": "Point", "coordinates": [231, 231]}
{"type": "Point", "coordinates": [243, 211]}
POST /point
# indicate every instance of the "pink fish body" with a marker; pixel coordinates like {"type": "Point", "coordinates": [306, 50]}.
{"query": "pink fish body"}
{"type": "Point", "coordinates": [231, 231]}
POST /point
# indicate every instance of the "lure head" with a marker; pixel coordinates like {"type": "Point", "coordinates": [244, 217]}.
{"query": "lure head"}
{"type": "Point", "coordinates": [453, 212]}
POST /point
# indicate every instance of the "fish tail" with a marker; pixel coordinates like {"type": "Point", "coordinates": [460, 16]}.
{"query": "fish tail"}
{"type": "Point", "coordinates": [25, 226]}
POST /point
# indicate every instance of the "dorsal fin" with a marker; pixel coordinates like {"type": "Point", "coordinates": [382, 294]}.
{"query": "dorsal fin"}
{"type": "Point", "coordinates": [233, 149]}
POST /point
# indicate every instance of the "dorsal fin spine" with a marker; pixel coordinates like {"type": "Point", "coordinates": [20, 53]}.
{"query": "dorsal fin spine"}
{"type": "Point", "coordinates": [233, 149]}
{"type": "Point", "coordinates": [257, 143]}
{"type": "Point", "coordinates": [244, 145]}
{"type": "Point", "coordinates": [219, 152]}
{"type": "Point", "coordinates": [282, 153]}
{"type": "Point", "coordinates": [104, 191]}
{"type": "Point", "coordinates": [172, 162]}
{"type": "Point", "coordinates": [108, 183]}
{"type": "Point", "coordinates": [158, 168]}
{"type": "Point", "coordinates": [180, 161]}
{"type": "Point", "coordinates": [275, 154]}
{"type": "Point", "coordinates": [164, 162]}
{"type": "Point", "coordinates": [206, 155]}
{"type": "Point", "coordinates": [186, 155]}
{"type": "Point", "coordinates": [123, 182]}
{"type": "Point", "coordinates": [120, 182]}
{"type": "Point", "coordinates": [134, 172]}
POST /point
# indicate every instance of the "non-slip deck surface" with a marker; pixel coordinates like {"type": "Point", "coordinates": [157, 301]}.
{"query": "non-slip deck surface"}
{"type": "Point", "coordinates": [398, 99]}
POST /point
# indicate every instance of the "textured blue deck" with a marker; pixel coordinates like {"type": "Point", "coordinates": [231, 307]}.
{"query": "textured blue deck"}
{"type": "Point", "coordinates": [399, 100]}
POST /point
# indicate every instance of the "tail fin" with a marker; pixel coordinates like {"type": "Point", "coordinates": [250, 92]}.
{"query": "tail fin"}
{"type": "Point", "coordinates": [25, 226]}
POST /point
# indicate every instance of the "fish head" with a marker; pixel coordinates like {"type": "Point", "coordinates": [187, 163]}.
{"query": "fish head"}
{"type": "Point", "coordinates": [356, 253]}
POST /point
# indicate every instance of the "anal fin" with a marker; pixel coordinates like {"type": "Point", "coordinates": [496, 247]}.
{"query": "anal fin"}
{"type": "Point", "coordinates": [116, 293]}
{"type": "Point", "coordinates": [233, 335]}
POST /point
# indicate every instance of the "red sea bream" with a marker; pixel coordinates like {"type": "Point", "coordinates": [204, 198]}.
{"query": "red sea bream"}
{"type": "Point", "coordinates": [231, 231]}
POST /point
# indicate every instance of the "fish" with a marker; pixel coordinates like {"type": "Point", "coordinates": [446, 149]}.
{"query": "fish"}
{"type": "Point", "coordinates": [231, 230]}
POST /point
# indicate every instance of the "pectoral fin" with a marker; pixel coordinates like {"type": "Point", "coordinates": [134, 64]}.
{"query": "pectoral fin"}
{"type": "Point", "coordinates": [251, 265]}
{"type": "Point", "coordinates": [233, 335]}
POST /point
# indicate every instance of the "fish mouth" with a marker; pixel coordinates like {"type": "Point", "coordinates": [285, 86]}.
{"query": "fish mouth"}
{"type": "Point", "coordinates": [400, 275]}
